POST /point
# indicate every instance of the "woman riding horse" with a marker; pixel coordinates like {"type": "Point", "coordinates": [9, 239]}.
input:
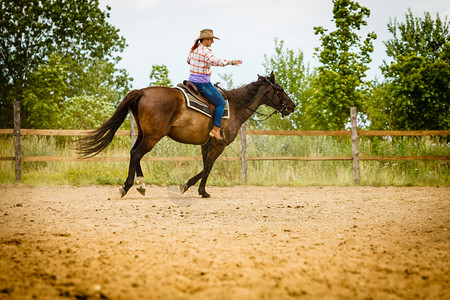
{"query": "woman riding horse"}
{"type": "Point", "coordinates": [201, 59]}
{"type": "Point", "coordinates": [162, 111]}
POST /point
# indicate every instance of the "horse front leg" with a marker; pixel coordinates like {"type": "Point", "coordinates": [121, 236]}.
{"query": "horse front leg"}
{"type": "Point", "coordinates": [185, 186]}
{"type": "Point", "coordinates": [202, 188]}
{"type": "Point", "coordinates": [210, 153]}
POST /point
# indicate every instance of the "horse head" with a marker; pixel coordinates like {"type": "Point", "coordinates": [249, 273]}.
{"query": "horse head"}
{"type": "Point", "coordinates": [275, 96]}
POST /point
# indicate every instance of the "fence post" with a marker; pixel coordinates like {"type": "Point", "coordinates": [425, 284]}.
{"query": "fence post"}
{"type": "Point", "coordinates": [244, 153]}
{"type": "Point", "coordinates": [17, 148]}
{"type": "Point", "coordinates": [355, 149]}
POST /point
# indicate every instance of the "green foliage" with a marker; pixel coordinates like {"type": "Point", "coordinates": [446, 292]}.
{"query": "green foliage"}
{"type": "Point", "coordinates": [344, 58]}
{"type": "Point", "coordinates": [418, 78]}
{"type": "Point", "coordinates": [42, 101]}
{"type": "Point", "coordinates": [96, 77]}
{"type": "Point", "coordinates": [296, 78]}
{"type": "Point", "coordinates": [31, 34]}
{"type": "Point", "coordinates": [377, 112]}
{"type": "Point", "coordinates": [424, 36]}
{"type": "Point", "coordinates": [85, 112]}
{"type": "Point", "coordinates": [159, 76]}
{"type": "Point", "coordinates": [46, 103]}
{"type": "Point", "coordinates": [58, 82]}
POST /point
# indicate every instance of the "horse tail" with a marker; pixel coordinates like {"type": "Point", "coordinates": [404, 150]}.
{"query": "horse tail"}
{"type": "Point", "coordinates": [99, 139]}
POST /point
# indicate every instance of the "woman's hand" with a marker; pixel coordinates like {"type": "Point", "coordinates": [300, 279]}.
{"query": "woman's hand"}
{"type": "Point", "coordinates": [235, 62]}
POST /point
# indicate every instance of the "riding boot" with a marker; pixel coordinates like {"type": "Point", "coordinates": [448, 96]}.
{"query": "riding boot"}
{"type": "Point", "coordinates": [215, 133]}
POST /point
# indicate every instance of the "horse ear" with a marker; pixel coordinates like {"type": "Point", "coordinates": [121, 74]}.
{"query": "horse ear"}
{"type": "Point", "coordinates": [272, 77]}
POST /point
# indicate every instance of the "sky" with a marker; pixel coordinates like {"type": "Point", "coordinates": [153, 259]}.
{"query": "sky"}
{"type": "Point", "coordinates": [161, 32]}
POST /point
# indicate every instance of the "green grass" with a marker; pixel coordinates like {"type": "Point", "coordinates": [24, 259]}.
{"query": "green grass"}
{"type": "Point", "coordinates": [228, 173]}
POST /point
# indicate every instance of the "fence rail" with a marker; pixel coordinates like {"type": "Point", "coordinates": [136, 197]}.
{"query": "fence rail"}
{"type": "Point", "coordinates": [228, 158]}
{"type": "Point", "coordinates": [354, 133]}
{"type": "Point", "coordinates": [348, 132]}
{"type": "Point", "coordinates": [70, 132]}
{"type": "Point", "coordinates": [59, 132]}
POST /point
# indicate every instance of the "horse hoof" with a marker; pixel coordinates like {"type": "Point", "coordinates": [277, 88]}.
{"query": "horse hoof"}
{"type": "Point", "coordinates": [141, 190]}
{"type": "Point", "coordinates": [141, 185]}
{"type": "Point", "coordinates": [206, 195]}
{"type": "Point", "coordinates": [122, 192]}
{"type": "Point", "coordinates": [183, 188]}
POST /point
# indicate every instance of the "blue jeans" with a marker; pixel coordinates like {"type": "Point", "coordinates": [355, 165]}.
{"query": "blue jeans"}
{"type": "Point", "coordinates": [213, 95]}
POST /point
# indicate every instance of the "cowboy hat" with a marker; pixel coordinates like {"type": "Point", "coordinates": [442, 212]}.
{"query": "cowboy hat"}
{"type": "Point", "coordinates": [206, 34]}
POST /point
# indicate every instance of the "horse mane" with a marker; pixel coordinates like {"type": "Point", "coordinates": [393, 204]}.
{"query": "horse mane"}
{"type": "Point", "coordinates": [243, 93]}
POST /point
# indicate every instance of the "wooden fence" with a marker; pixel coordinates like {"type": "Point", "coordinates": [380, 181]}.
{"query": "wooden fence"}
{"type": "Point", "coordinates": [354, 133]}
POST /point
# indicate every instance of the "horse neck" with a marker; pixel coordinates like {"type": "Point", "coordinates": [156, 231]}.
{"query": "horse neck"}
{"type": "Point", "coordinates": [245, 101]}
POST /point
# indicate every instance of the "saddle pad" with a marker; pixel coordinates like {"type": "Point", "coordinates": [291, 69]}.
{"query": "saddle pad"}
{"type": "Point", "coordinates": [195, 104]}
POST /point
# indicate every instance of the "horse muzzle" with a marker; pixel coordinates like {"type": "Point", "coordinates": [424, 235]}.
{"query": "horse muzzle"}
{"type": "Point", "coordinates": [286, 110]}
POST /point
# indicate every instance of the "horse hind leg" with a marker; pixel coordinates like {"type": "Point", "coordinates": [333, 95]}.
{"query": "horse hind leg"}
{"type": "Point", "coordinates": [136, 155]}
{"type": "Point", "coordinates": [139, 174]}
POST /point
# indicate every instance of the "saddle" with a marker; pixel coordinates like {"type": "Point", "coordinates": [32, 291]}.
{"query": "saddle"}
{"type": "Point", "coordinates": [192, 89]}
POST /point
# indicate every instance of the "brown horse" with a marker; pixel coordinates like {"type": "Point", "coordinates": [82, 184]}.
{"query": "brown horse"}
{"type": "Point", "coordinates": [162, 111]}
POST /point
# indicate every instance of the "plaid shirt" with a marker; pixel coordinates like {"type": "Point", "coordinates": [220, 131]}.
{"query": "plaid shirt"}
{"type": "Point", "coordinates": [201, 60]}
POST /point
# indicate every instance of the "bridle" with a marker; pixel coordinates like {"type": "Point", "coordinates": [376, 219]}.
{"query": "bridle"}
{"type": "Point", "coordinates": [284, 108]}
{"type": "Point", "coordinates": [281, 110]}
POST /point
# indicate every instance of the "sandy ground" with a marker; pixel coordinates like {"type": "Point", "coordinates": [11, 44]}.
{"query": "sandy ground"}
{"type": "Point", "coordinates": [243, 243]}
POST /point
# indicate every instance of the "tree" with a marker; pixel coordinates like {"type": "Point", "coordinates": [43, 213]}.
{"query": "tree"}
{"type": "Point", "coordinates": [57, 82]}
{"type": "Point", "coordinates": [96, 77]}
{"type": "Point", "coordinates": [33, 30]}
{"type": "Point", "coordinates": [377, 108]}
{"type": "Point", "coordinates": [86, 112]}
{"type": "Point", "coordinates": [418, 77]}
{"type": "Point", "coordinates": [160, 76]}
{"type": "Point", "coordinates": [45, 95]}
{"type": "Point", "coordinates": [424, 36]}
{"type": "Point", "coordinates": [344, 59]}
{"type": "Point", "coordinates": [296, 78]}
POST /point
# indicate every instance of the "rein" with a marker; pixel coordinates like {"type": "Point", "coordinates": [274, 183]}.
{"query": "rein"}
{"type": "Point", "coordinates": [261, 114]}
{"type": "Point", "coordinates": [275, 91]}
{"type": "Point", "coordinates": [217, 85]}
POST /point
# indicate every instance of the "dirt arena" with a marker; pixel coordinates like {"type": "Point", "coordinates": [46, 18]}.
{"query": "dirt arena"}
{"type": "Point", "coordinates": [244, 243]}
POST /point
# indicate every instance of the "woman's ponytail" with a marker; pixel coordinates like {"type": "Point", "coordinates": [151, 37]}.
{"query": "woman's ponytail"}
{"type": "Point", "coordinates": [197, 42]}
